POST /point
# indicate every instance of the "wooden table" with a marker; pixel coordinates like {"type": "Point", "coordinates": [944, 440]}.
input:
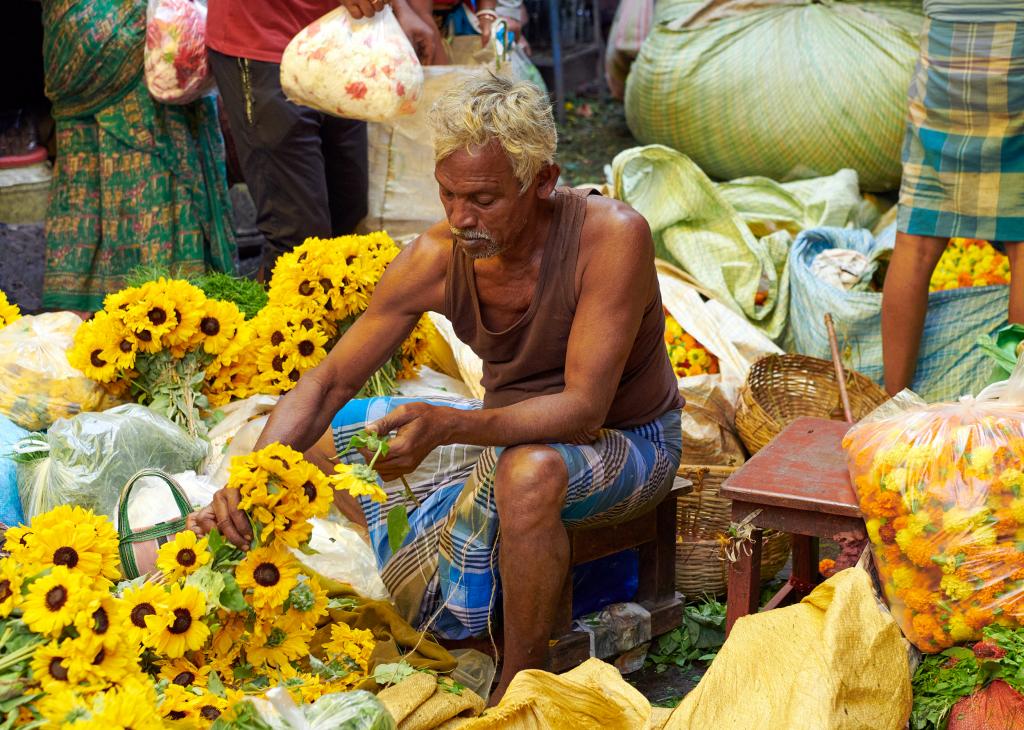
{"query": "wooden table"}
{"type": "Point", "coordinates": [799, 483]}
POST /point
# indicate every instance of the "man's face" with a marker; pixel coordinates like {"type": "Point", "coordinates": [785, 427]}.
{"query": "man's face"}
{"type": "Point", "coordinates": [483, 201]}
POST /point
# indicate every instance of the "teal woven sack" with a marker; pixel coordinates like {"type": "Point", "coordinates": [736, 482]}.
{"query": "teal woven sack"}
{"type": "Point", "coordinates": [138, 547]}
{"type": "Point", "coordinates": [785, 89]}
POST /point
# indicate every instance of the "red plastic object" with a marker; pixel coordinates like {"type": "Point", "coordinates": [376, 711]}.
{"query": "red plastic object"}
{"type": "Point", "coordinates": [997, 707]}
{"type": "Point", "coordinates": [29, 158]}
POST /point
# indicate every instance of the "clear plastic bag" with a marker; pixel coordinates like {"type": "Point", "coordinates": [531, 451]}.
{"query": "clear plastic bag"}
{"type": "Point", "coordinates": [177, 71]}
{"type": "Point", "coordinates": [358, 710]}
{"type": "Point", "coordinates": [357, 69]}
{"type": "Point", "coordinates": [942, 491]}
{"type": "Point", "coordinates": [37, 383]}
{"type": "Point", "coordinates": [93, 455]}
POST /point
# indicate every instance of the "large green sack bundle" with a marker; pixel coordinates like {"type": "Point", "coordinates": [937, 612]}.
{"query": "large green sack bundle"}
{"type": "Point", "coordinates": [785, 89]}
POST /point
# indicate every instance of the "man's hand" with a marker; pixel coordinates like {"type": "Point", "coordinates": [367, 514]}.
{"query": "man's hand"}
{"type": "Point", "coordinates": [487, 25]}
{"type": "Point", "coordinates": [364, 8]}
{"type": "Point", "coordinates": [424, 36]}
{"type": "Point", "coordinates": [224, 514]}
{"type": "Point", "coordinates": [421, 429]}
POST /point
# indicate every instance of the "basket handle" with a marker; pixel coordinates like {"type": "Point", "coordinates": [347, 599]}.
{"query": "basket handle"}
{"type": "Point", "coordinates": [124, 528]}
{"type": "Point", "coordinates": [698, 488]}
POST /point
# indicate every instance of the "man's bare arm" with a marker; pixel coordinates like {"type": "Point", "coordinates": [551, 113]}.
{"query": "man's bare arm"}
{"type": "Point", "coordinates": [412, 285]}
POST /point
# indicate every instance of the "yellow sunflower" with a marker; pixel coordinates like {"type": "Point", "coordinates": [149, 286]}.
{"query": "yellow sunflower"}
{"type": "Point", "coordinates": [64, 706]}
{"type": "Point", "coordinates": [54, 601]}
{"type": "Point", "coordinates": [308, 348]}
{"type": "Point", "coordinates": [184, 673]}
{"type": "Point", "coordinates": [95, 661]}
{"type": "Point", "coordinates": [209, 707]}
{"type": "Point", "coordinates": [274, 646]}
{"type": "Point", "coordinates": [95, 352]}
{"type": "Point", "coordinates": [8, 312]}
{"type": "Point", "coordinates": [51, 664]}
{"type": "Point", "coordinates": [179, 627]}
{"type": "Point", "coordinates": [188, 302]}
{"type": "Point", "coordinates": [139, 603]}
{"type": "Point", "coordinates": [78, 547]}
{"type": "Point", "coordinates": [102, 618]}
{"type": "Point", "coordinates": [307, 604]}
{"type": "Point", "coordinates": [179, 704]}
{"type": "Point", "coordinates": [219, 326]}
{"type": "Point", "coordinates": [270, 573]}
{"type": "Point", "coordinates": [182, 556]}
{"type": "Point", "coordinates": [311, 495]}
{"type": "Point", "coordinates": [357, 481]}
{"type": "Point", "coordinates": [11, 579]}
{"type": "Point", "coordinates": [347, 643]}
{"type": "Point", "coordinates": [16, 543]}
{"type": "Point", "coordinates": [130, 706]}
{"type": "Point", "coordinates": [226, 644]}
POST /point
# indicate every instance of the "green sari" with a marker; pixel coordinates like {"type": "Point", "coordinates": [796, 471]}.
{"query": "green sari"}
{"type": "Point", "coordinates": [136, 182]}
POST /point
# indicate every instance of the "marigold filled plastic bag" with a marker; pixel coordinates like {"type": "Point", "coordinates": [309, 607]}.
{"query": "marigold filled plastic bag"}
{"type": "Point", "coordinates": [37, 384]}
{"type": "Point", "coordinates": [358, 69]}
{"type": "Point", "coordinates": [177, 71]}
{"type": "Point", "coordinates": [942, 490]}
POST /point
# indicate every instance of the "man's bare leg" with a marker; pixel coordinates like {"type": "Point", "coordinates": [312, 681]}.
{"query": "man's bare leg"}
{"type": "Point", "coordinates": [905, 304]}
{"type": "Point", "coordinates": [1015, 252]}
{"type": "Point", "coordinates": [530, 486]}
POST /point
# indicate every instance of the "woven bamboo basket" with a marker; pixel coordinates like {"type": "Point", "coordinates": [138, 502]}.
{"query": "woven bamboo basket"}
{"type": "Point", "coordinates": [782, 388]}
{"type": "Point", "coordinates": [701, 518]}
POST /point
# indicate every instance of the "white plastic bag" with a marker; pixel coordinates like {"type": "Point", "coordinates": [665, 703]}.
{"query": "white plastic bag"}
{"type": "Point", "coordinates": [177, 71]}
{"type": "Point", "coordinates": [357, 69]}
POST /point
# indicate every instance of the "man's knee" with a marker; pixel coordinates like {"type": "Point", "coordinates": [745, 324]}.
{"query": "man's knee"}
{"type": "Point", "coordinates": [529, 485]}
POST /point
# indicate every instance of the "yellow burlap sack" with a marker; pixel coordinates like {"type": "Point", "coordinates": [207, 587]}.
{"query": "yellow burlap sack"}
{"type": "Point", "coordinates": [593, 696]}
{"type": "Point", "coordinates": [420, 702]}
{"type": "Point", "coordinates": [835, 661]}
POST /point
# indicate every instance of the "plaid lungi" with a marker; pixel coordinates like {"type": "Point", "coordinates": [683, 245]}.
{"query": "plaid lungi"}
{"type": "Point", "coordinates": [963, 155]}
{"type": "Point", "coordinates": [444, 577]}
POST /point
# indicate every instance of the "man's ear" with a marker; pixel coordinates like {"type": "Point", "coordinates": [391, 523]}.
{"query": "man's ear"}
{"type": "Point", "coordinates": [547, 179]}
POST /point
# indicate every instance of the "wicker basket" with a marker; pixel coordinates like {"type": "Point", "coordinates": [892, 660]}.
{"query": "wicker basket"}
{"type": "Point", "coordinates": [701, 517]}
{"type": "Point", "coordinates": [782, 388]}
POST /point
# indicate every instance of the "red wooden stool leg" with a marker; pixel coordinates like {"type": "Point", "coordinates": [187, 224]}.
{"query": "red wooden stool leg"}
{"type": "Point", "coordinates": [744, 590]}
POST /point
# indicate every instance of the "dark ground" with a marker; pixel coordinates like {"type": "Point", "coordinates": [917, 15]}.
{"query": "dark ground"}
{"type": "Point", "coordinates": [593, 133]}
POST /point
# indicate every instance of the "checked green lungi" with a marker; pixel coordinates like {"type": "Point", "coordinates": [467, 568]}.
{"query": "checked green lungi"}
{"type": "Point", "coordinates": [444, 577]}
{"type": "Point", "coordinates": [963, 155]}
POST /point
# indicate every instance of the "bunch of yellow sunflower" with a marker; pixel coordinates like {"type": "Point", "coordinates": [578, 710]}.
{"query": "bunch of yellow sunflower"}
{"type": "Point", "coordinates": [8, 312]}
{"type": "Point", "coordinates": [688, 356]}
{"type": "Point", "coordinates": [942, 492]}
{"type": "Point", "coordinates": [161, 341]}
{"type": "Point", "coordinates": [968, 262]}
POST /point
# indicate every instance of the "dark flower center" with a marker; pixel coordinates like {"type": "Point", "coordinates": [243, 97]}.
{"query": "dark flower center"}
{"type": "Point", "coordinates": [349, 260]}
{"type": "Point", "coordinates": [266, 575]}
{"type": "Point", "coordinates": [57, 670]}
{"type": "Point", "coordinates": [5, 590]}
{"type": "Point", "coordinates": [145, 335]}
{"type": "Point", "coordinates": [157, 316]}
{"type": "Point", "coordinates": [125, 346]}
{"type": "Point", "coordinates": [99, 658]}
{"type": "Point", "coordinates": [186, 557]}
{"type": "Point", "coordinates": [175, 715]}
{"type": "Point", "coordinates": [310, 491]}
{"type": "Point", "coordinates": [302, 257]}
{"type": "Point", "coordinates": [305, 288]}
{"type": "Point", "coordinates": [65, 556]}
{"type": "Point", "coordinates": [139, 613]}
{"type": "Point", "coordinates": [326, 284]}
{"type": "Point", "coordinates": [278, 363]}
{"type": "Point", "coordinates": [184, 679]}
{"type": "Point", "coordinates": [307, 324]}
{"type": "Point", "coordinates": [294, 375]}
{"type": "Point", "coordinates": [210, 326]}
{"type": "Point", "coordinates": [306, 348]}
{"type": "Point", "coordinates": [56, 597]}
{"type": "Point", "coordinates": [209, 712]}
{"type": "Point", "coordinates": [101, 621]}
{"type": "Point", "coordinates": [182, 621]}
{"type": "Point", "coordinates": [276, 339]}
{"type": "Point", "coordinates": [96, 360]}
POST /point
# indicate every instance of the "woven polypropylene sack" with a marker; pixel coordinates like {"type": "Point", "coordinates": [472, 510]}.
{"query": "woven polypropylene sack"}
{"type": "Point", "coordinates": [949, 364]}
{"type": "Point", "coordinates": [786, 89]}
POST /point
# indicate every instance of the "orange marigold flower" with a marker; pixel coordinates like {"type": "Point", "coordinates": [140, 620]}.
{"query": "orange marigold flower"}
{"type": "Point", "coordinates": [919, 600]}
{"type": "Point", "coordinates": [920, 552]}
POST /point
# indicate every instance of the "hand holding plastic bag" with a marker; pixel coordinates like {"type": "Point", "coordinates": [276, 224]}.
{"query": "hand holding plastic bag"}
{"type": "Point", "coordinates": [942, 491]}
{"type": "Point", "coordinates": [177, 71]}
{"type": "Point", "coordinates": [358, 69]}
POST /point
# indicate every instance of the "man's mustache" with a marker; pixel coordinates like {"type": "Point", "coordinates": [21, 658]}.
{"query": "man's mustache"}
{"type": "Point", "coordinates": [469, 235]}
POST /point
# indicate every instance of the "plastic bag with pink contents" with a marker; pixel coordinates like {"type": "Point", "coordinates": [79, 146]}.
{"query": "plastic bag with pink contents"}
{"type": "Point", "coordinates": [176, 68]}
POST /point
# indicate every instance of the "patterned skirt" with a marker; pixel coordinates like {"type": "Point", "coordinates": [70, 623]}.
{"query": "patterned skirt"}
{"type": "Point", "coordinates": [444, 577]}
{"type": "Point", "coordinates": [963, 155]}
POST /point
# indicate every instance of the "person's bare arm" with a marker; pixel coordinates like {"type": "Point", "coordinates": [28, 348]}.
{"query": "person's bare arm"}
{"type": "Point", "coordinates": [617, 274]}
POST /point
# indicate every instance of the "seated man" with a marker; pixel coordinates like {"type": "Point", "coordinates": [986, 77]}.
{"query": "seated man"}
{"type": "Point", "coordinates": [580, 425]}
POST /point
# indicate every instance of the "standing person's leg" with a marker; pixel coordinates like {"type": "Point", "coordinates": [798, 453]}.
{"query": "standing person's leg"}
{"type": "Point", "coordinates": [280, 152]}
{"type": "Point", "coordinates": [346, 160]}
{"type": "Point", "coordinates": [905, 304]}
{"type": "Point", "coordinates": [1015, 252]}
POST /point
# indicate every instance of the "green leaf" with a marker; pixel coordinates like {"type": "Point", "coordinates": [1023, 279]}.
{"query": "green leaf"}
{"type": "Point", "coordinates": [215, 685]}
{"type": "Point", "coordinates": [960, 652]}
{"type": "Point", "coordinates": [231, 596]}
{"type": "Point", "coordinates": [398, 527]}
{"type": "Point", "coordinates": [211, 583]}
{"type": "Point", "coordinates": [392, 673]}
